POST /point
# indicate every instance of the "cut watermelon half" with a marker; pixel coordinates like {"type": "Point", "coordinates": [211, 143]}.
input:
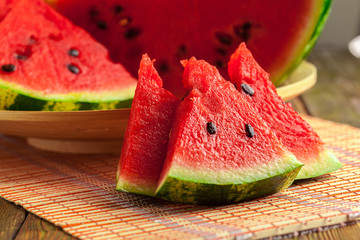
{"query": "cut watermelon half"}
{"type": "Point", "coordinates": [47, 63]}
{"type": "Point", "coordinates": [147, 134]}
{"type": "Point", "coordinates": [294, 132]}
{"type": "Point", "coordinates": [220, 151]}
{"type": "Point", "coordinates": [280, 33]}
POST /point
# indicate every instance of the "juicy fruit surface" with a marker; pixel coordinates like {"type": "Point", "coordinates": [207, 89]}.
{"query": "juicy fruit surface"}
{"type": "Point", "coordinates": [147, 134]}
{"type": "Point", "coordinates": [206, 164]}
{"type": "Point", "coordinates": [295, 133]}
{"type": "Point", "coordinates": [53, 60]}
{"type": "Point", "coordinates": [129, 28]}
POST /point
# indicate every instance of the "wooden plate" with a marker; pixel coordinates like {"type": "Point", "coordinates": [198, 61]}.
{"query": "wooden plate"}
{"type": "Point", "coordinates": [102, 131]}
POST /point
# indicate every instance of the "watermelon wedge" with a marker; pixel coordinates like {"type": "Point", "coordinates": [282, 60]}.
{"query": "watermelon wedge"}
{"type": "Point", "coordinates": [280, 33]}
{"type": "Point", "coordinates": [47, 63]}
{"type": "Point", "coordinates": [294, 132]}
{"type": "Point", "coordinates": [147, 134]}
{"type": "Point", "coordinates": [219, 150]}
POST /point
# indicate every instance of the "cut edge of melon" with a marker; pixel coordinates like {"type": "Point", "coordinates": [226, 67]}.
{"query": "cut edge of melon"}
{"type": "Point", "coordinates": [234, 176]}
{"type": "Point", "coordinates": [131, 187]}
{"type": "Point", "coordinates": [303, 50]}
{"type": "Point", "coordinates": [84, 96]}
{"type": "Point", "coordinates": [326, 162]}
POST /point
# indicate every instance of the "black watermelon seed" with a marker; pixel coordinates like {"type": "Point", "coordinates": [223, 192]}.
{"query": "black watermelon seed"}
{"type": "Point", "coordinates": [221, 51]}
{"type": "Point", "coordinates": [23, 54]}
{"type": "Point", "coordinates": [224, 38]}
{"type": "Point", "coordinates": [219, 64]}
{"type": "Point", "coordinates": [20, 57]}
{"type": "Point", "coordinates": [74, 69]}
{"type": "Point", "coordinates": [93, 12]}
{"type": "Point", "coordinates": [73, 52]}
{"type": "Point", "coordinates": [247, 26]}
{"type": "Point", "coordinates": [9, 68]}
{"type": "Point", "coordinates": [182, 50]}
{"type": "Point", "coordinates": [118, 9]}
{"type": "Point", "coordinates": [247, 89]}
{"type": "Point", "coordinates": [243, 31]}
{"type": "Point", "coordinates": [132, 33]}
{"type": "Point", "coordinates": [249, 130]}
{"type": "Point", "coordinates": [211, 128]}
{"type": "Point", "coordinates": [101, 25]}
{"type": "Point", "coordinates": [163, 66]}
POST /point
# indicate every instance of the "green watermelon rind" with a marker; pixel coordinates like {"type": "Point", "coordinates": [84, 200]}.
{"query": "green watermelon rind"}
{"type": "Point", "coordinates": [326, 162]}
{"type": "Point", "coordinates": [176, 187]}
{"type": "Point", "coordinates": [15, 97]}
{"type": "Point", "coordinates": [319, 26]}
{"type": "Point", "coordinates": [126, 186]}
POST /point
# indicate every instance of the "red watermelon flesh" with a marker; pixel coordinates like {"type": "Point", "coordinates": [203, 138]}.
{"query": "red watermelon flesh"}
{"type": "Point", "coordinates": [220, 150]}
{"type": "Point", "coordinates": [294, 132]}
{"type": "Point", "coordinates": [279, 32]}
{"type": "Point", "coordinates": [56, 60]}
{"type": "Point", "coordinates": [144, 148]}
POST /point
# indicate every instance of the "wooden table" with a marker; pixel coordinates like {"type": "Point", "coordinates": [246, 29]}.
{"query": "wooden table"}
{"type": "Point", "coordinates": [335, 97]}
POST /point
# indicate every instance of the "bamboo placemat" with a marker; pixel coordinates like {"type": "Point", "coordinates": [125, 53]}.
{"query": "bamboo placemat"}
{"type": "Point", "coordinates": [77, 192]}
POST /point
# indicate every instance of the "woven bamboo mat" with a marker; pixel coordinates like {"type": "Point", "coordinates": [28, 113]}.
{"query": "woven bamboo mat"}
{"type": "Point", "coordinates": [77, 192]}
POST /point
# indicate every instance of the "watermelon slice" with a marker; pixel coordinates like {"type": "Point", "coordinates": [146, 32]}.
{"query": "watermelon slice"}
{"type": "Point", "coordinates": [47, 63]}
{"type": "Point", "coordinates": [144, 148]}
{"type": "Point", "coordinates": [294, 132]}
{"type": "Point", "coordinates": [279, 32]}
{"type": "Point", "coordinates": [219, 150]}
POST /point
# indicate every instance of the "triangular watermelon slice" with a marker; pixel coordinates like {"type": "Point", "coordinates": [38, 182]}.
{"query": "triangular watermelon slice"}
{"type": "Point", "coordinates": [47, 63]}
{"type": "Point", "coordinates": [220, 151]}
{"type": "Point", "coordinates": [294, 132]}
{"type": "Point", "coordinates": [147, 134]}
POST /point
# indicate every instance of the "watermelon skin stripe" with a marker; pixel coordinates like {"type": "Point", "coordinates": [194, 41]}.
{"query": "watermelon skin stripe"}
{"type": "Point", "coordinates": [213, 194]}
{"type": "Point", "coordinates": [12, 100]}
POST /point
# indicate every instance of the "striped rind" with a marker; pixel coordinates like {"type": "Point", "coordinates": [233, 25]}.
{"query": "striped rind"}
{"type": "Point", "coordinates": [182, 187]}
{"type": "Point", "coordinates": [13, 100]}
{"type": "Point", "coordinates": [319, 26]}
{"type": "Point", "coordinates": [188, 192]}
{"type": "Point", "coordinates": [126, 186]}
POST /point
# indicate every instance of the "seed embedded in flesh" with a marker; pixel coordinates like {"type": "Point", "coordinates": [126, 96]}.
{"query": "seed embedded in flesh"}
{"type": "Point", "coordinates": [9, 68]}
{"type": "Point", "coordinates": [21, 57]}
{"type": "Point", "coordinates": [182, 51]}
{"type": "Point", "coordinates": [224, 38]}
{"type": "Point", "coordinates": [221, 51]}
{"type": "Point", "coordinates": [74, 52]}
{"type": "Point", "coordinates": [243, 31]}
{"type": "Point", "coordinates": [247, 25]}
{"type": "Point", "coordinates": [163, 66]}
{"type": "Point", "coordinates": [249, 131]}
{"type": "Point", "coordinates": [72, 68]}
{"type": "Point", "coordinates": [118, 9]}
{"type": "Point", "coordinates": [219, 64]}
{"type": "Point", "coordinates": [101, 25]}
{"type": "Point", "coordinates": [211, 128]}
{"type": "Point", "coordinates": [25, 53]}
{"type": "Point", "coordinates": [93, 12]}
{"type": "Point", "coordinates": [132, 33]}
{"type": "Point", "coordinates": [247, 89]}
